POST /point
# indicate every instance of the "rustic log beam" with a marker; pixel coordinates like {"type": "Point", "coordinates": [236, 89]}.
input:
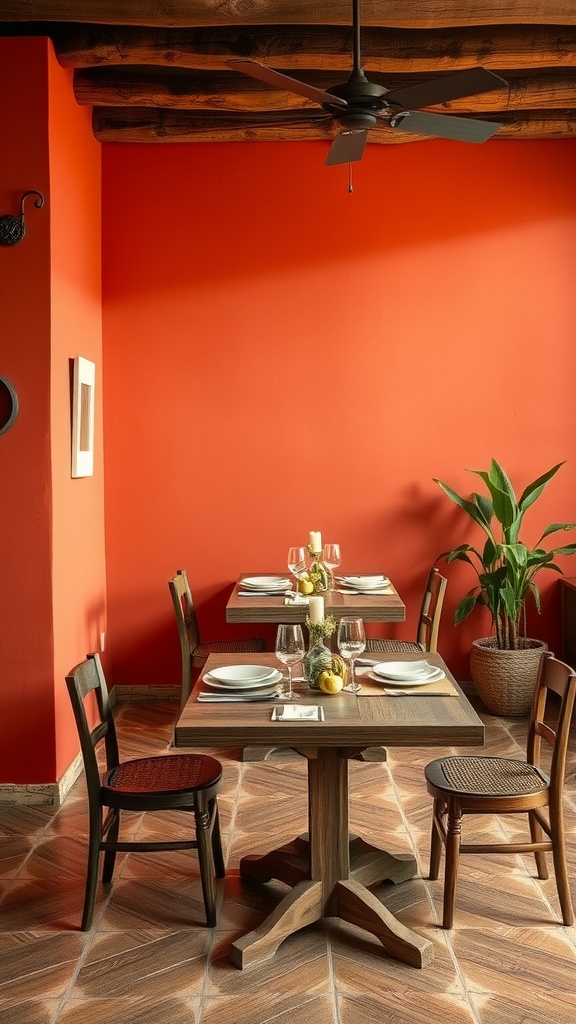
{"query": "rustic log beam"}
{"type": "Point", "coordinates": [145, 125]}
{"type": "Point", "coordinates": [322, 48]}
{"type": "Point", "coordinates": [187, 90]}
{"type": "Point", "coordinates": [416, 14]}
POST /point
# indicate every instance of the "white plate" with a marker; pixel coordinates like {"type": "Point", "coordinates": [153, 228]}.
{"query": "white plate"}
{"type": "Point", "coordinates": [242, 674]}
{"type": "Point", "coordinates": [416, 681]}
{"type": "Point", "coordinates": [401, 671]}
{"type": "Point", "coordinates": [265, 582]}
{"type": "Point", "coordinates": [267, 687]}
{"type": "Point", "coordinates": [365, 582]}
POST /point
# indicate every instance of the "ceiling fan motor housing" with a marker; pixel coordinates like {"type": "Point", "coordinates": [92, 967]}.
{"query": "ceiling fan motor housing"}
{"type": "Point", "coordinates": [364, 99]}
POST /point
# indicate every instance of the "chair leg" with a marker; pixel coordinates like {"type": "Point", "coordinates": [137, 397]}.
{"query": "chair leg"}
{"type": "Point", "coordinates": [453, 834]}
{"type": "Point", "coordinates": [91, 872]}
{"type": "Point", "coordinates": [561, 869]}
{"type": "Point", "coordinates": [217, 841]}
{"type": "Point", "coordinates": [206, 861]}
{"type": "Point", "coordinates": [537, 836]}
{"type": "Point", "coordinates": [110, 855]}
{"type": "Point", "coordinates": [435, 841]}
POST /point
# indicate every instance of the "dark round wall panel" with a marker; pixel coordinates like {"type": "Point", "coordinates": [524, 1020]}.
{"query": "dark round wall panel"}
{"type": "Point", "coordinates": [8, 405]}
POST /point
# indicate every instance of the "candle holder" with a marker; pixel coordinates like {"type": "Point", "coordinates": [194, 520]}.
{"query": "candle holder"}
{"type": "Point", "coordinates": [318, 657]}
{"type": "Point", "coordinates": [318, 572]}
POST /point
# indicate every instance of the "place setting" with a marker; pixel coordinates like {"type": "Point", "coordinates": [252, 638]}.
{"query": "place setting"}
{"type": "Point", "coordinates": [366, 585]}
{"type": "Point", "coordinates": [234, 683]}
{"type": "Point", "coordinates": [265, 586]}
{"type": "Point", "coordinates": [405, 678]}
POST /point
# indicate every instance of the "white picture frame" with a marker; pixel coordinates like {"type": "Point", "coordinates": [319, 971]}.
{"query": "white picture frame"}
{"type": "Point", "coordinates": [83, 417]}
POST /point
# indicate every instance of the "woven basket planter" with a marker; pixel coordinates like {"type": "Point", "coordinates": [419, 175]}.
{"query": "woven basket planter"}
{"type": "Point", "coordinates": [505, 680]}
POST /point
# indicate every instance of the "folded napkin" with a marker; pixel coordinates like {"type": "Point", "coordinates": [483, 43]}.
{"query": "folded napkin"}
{"type": "Point", "coordinates": [296, 599]}
{"type": "Point", "coordinates": [298, 713]}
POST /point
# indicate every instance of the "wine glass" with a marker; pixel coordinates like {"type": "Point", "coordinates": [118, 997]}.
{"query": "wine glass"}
{"type": "Point", "coordinates": [296, 562]}
{"type": "Point", "coordinates": [289, 650]}
{"type": "Point", "coordinates": [332, 560]}
{"type": "Point", "coordinates": [351, 641]}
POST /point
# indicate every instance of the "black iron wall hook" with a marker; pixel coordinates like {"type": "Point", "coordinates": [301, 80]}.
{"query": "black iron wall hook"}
{"type": "Point", "coordinates": [12, 229]}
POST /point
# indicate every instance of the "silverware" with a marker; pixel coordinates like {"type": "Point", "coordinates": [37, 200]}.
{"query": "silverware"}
{"type": "Point", "coordinates": [266, 593]}
{"type": "Point", "coordinates": [232, 698]}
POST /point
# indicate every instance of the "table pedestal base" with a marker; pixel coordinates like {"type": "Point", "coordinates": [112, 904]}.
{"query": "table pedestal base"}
{"type": "Point", "coordinates": [329, 872]}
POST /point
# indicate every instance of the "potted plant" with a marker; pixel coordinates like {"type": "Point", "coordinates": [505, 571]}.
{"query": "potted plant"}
{"type": "Point", "coordinates": [504, 666]}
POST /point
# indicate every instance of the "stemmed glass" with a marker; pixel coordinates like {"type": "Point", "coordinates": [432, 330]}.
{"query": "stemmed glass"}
{"type": "Point", "coordinates": [297, 562]}
{"type": "Point", "coordinates": [332, 560]}
{"type": "Point", "coordinates": [289, 650]}
{"type": "Point", "coordinates": [351, 641]}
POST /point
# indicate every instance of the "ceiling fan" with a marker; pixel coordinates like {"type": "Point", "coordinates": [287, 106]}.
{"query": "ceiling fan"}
{"type": "Point", "coordinates": [358, 105]}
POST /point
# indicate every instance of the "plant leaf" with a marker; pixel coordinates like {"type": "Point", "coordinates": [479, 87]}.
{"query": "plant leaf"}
{"type": "Point", "coordinates": [466, 605]}
{"type": "Point", "coordinates": [556, 528]}
{"type": "Point", "coordinates": [534, 490]}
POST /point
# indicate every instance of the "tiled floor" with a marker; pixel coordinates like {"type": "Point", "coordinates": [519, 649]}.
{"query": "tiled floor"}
{"type": "Point", "coordinates": [149, 959]}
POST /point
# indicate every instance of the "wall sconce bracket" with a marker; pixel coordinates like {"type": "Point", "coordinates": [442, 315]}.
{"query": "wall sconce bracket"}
{"type": "Point", "coordinates": [12, 229]}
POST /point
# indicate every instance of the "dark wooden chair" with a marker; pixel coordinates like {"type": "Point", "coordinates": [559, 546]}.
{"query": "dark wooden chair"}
{"type": "Point", "coordinates": [428, 622]}
{"type": "Point", "coordinates": [185, 782]}
{"type": "Point", "coordinates": [194, 653]}
{"type": "Point", "coordinates": [497, 785]}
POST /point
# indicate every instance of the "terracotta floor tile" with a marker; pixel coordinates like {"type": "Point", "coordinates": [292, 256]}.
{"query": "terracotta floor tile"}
{"type": "Point", "coordinates": [149, 958]}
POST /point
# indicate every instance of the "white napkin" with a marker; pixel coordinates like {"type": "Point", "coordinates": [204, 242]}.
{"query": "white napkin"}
{"type": "Point", "coordinates": [298, 712]}
{"type": "Point", "coordinates": [296, 599]}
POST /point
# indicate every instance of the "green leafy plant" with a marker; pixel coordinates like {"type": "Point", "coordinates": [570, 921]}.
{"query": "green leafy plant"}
{"type": "Point", "coordinates": [505, 566]}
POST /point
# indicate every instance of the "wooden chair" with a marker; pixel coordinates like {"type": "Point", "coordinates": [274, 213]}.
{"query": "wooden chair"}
{"type": "Point", "coordinates": [185, 782]}
{"type": "Point", "coordinates": [497, 785]}
{"type": "Point", "coordinates": [193, 653]}
{"type": "Point", "coordinates": [428, 623]}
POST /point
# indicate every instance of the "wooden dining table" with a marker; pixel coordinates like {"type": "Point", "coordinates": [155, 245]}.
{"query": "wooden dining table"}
{"type": "Point", "coordinates": [382, 607]}
{"type": "Point", "coordinates": [330, 871]}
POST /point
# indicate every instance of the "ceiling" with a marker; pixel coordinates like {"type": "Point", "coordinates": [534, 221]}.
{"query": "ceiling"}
{"type": "Point", "coordinates": [157, 71]}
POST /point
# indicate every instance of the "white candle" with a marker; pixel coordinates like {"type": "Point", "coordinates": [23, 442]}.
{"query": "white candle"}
{"type": "Point", "coordinates": [315, 541]}
{"type": "Point", "coordinates": [316, 609]}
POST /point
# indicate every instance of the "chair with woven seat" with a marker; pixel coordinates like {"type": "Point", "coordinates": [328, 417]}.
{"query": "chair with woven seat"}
{"type": "Point", "coordinates": [498, 785]}
{"type": "Point", "coordinates": [428, 622]}
{"type": "Point", "coordinates": [194, 654]}
{"type": "Point", "coordinates": [184, 782]}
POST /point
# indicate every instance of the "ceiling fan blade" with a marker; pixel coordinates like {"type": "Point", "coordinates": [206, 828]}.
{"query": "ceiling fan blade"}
{"type": "Point", "coordinates": [279, 81]}
{"type": "Point", "coordinates": [449, 87]}
{"type": "Point", "coordinates": [347, 148]}
{"type": "Point", "coordinates": [441, 126]}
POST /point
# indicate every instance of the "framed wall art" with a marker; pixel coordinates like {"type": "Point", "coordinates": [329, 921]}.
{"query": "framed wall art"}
{"type": "Point", "coordinates": [83, 417]}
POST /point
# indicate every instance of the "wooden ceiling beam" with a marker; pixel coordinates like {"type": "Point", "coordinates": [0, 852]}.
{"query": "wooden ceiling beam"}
{"type": "Point", "coordinates": [132, 124]}
{"type": "Point", "coordinates": [396, 13]}
{"type": "Point", "coordinates": [325, 48]}
{"type": "Point", "coordinates": [188, 90]}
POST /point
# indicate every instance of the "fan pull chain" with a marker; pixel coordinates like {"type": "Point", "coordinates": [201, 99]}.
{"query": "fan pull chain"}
{"type": "Point", "coordinates": [350, 184]}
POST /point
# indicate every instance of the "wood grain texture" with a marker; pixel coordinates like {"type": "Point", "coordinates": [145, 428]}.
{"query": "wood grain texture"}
{"type": "Point", "coordinates": [381, 608]}
{"type": "Point", "coordinates": [144, 67]}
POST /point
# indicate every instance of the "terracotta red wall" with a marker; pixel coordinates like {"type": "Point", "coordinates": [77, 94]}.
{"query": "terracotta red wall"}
{"type": "Point", "coordinates": [52, 588]}
{"type": "Point", "coordinates": [283, 356]}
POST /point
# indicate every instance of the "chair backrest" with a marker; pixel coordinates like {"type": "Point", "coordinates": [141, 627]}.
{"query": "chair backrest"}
{"type": "Point", "coordinates": [86, 678]}
{"type": "Point", "coordinates": [187, 627]}
{"type": "Point", "coordinates": [431, 610]}
{"type": "Point", "coordinates": [550, 719]}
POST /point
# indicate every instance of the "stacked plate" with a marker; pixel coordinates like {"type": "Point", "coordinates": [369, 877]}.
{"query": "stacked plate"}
{"type": "Point", "coordinates": [407, 673]}
{"type": "Point", "coordinates": [363, 583]}
{"type": "Point", "coordinates": [243, 680]}
{"type": "Point", "coordinates": [270, 584]}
